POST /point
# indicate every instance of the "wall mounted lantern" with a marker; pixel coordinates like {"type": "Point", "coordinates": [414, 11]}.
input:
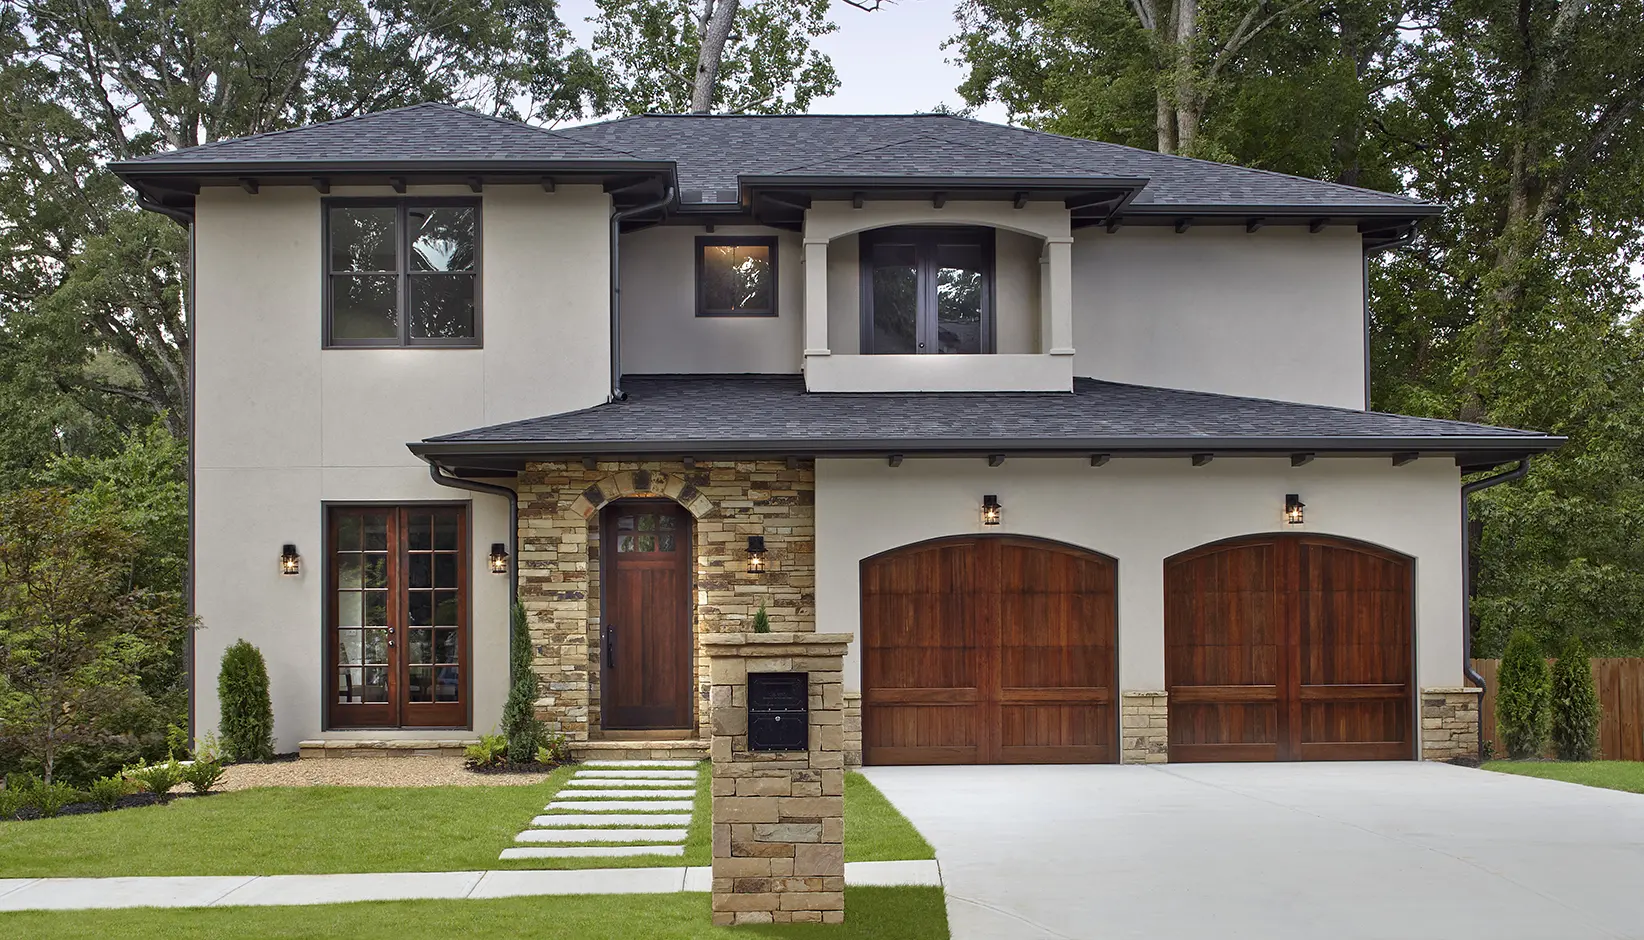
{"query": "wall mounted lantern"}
{"type": "Point", "coordinates": [756, 554]}
{"type": "Point", "coordinates": [1293, 507]}
{"type": "Point", "coordinates": [499, 558]}
{"type": "Point", "coordinates": [992, 512]}
{"type": "Point", "coordinates": [290, 561]}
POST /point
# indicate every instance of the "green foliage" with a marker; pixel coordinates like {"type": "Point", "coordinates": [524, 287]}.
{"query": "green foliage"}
{"type": "Point", "coordinates": [762, 621]}
{"type": "Point", "coordinates": [107, 792]}
{"type": "Point", "coordinates": [1522, 698]}
{"type": "Point", "coordinates": [490, 750]}
{"type": "Point", "coordinates": [49, 799]}
{"type": "Point", "coordinates": [247, 721]}
{"type": "Point", "coordinates": [520, 726]}
{"type": "Point", "coordinates": [159, 779]}
{"type": "Point", "coordinates": [10, 802]}
{"type": "Point", "coordinates": [1576, 710]}
{"type": "Point", "coordinates": [554, 750]}
{"type": "Point", "coordinates": [177, 742]}
{"type": "Point", "coordinates": [202, 775]}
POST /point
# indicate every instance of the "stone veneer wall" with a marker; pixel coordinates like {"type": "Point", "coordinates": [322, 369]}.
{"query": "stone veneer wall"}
{"type": "Point", "coordinates": [1144, 728]}
{"type": "Point", "coordinates": [778, 817]}
{"type": "Point", "coordinates": [1449, 723]}
{"type": "Point", "coordinates": [558, 562]}
{"type": "Point", "coordinates": [853, 729]}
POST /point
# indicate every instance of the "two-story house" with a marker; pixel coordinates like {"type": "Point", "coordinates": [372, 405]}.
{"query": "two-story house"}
{"type": "Point", "coordinates": [1073, 438]}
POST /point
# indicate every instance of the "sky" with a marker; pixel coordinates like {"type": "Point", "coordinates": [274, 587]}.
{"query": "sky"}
{"type": "Point", "coordinates": [889, 62]}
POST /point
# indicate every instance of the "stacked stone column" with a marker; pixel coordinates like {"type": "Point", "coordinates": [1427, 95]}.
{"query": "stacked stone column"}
{"type": "Point", "coordinates": [778, 817]}
{"type": "Point", "coordinates": [1449, 723]}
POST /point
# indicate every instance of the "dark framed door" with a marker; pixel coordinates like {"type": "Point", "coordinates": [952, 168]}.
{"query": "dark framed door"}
{"type": "Point", "coordinates": [397, 583]}
{"type": "Point", "coordinates": [1289, 647]}
{"type": "Point", "coordinates": [988, 650]}
{"type": "Point", "coordinates": [645, 563]}
{"type": "Point", "coordinates": [927, 289]}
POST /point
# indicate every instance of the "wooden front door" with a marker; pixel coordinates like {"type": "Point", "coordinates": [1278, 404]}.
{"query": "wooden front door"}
{"type": "Point", "coordinates": [988, 649]}
{"type": "Point", "coordinates": [397, 616]}
{"type": "Point", "coordinates": [645, 679]}
{"type": "Point", "coordinates": [1289, 647]}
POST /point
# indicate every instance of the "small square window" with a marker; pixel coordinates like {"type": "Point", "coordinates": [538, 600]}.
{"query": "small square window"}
{"type": "Point", "coordinates": [402, 272]}
{"type": "Point", "coordinates": [736, 276]}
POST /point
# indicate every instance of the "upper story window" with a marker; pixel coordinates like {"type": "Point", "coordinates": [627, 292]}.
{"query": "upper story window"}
{"type": "Point", "coordinates": [735, 276]}
{"type": "Point", "coordinates": [927, 289]}
{"type": "Point", "coordinates": [402, 272]}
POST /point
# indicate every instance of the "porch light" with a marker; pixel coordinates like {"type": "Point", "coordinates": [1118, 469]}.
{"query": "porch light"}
{"type": "Point", "coordinates": [756, 554]}
{"type": "Point", "coordinates": [1293, 507]}
{"type": "Point", "coordinates": [992, 512]}
{"type": "Point", "coordinates": [499, 558]}
{"type": "Point", "coordinates": [290, 561]}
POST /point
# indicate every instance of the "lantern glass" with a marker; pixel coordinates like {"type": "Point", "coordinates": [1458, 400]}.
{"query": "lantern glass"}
{"type": "Point", "coordinates": [992, 512]}
{"type": "Point", "coordinates": [1293, 509]}
{"type": "Point", "coordinates": [756, 554]}
{"type": "Point", "coordinates": [290, 561]}
{"type": "Point", "coordinates": [499, 558]}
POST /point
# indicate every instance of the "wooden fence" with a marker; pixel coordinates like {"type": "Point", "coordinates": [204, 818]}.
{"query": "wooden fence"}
{"type": "Point", "coordinates": [1620, 691]}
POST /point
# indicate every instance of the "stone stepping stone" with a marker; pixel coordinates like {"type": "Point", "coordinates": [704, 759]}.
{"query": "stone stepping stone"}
{"type": "Point", "coordinates": [639, 774]}
{"type": "Point", "coordinates": [573, 820]}
{"type": "Point", "coordinates": [640, 763]}
{"type": "Point", "coordinates": [641, 806]}
{"type": "Point", "coordinates": [601, 835]}
{"type": "Point", "coordinates": [635, 784]}
{"type": "Point", "coordinates": [589, 851]}
{"type": "Point", "coordinates": [625, 794]}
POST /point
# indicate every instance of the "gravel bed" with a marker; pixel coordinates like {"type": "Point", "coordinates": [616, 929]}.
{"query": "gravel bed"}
{"type": "Point", "coordinates": [369, 772]}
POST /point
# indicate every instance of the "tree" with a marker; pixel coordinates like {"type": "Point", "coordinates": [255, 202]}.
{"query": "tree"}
{"type": "Point", "coordinates": [1576, 711]}
{"type": "Point", "coordinates": [246, 720]}
{"type": "Point", "coordinates": [704, 56]}
{"type": "Point", "coordinates": [74, 632]}
{"type": "Point", "coordinates": [1522, 706]}
{"type": "Point", "coordinates": [520, 725]}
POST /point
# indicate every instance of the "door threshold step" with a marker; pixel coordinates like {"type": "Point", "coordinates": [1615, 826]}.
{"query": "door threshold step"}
{"type": "Point", "coordinates": [588, 851]}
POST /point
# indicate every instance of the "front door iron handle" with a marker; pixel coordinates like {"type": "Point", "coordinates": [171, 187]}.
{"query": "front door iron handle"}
{"type": "Point", "coordinates": [610, 646]}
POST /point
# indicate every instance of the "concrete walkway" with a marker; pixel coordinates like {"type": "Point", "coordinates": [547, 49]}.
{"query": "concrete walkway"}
{"type": "Point", "coordinates": [1401, 851]}
{"type": "Point", "coordinates": [24, 894]}
{"type": "Point", "coordinates": [614, 808]}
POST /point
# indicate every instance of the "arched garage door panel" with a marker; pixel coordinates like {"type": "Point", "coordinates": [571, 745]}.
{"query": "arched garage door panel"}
{"type": "Point", "coordinates": [988, 650]}
{"type": "Point", "coordinates": [1285, 647]}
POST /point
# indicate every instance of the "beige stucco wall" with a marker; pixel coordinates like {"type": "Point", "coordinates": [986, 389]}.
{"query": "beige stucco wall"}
{"type": "Point", "coordinates": [1277, 313]}
{"type": "Point", "coordinates": [1142, 511]}
{"type": "Point", "coordinates": [283, 426]}
{"type": "Point", "coordinates": [660, 329]}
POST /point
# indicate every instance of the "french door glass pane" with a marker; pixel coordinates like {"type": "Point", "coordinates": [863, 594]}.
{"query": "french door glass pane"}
{"type": "Point", "coordinates": [895, 299]}
{"type": "Point", "coordinates": [959, 285]}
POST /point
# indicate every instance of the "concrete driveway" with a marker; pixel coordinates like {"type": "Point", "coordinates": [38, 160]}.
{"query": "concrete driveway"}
{"type": "Point", "coordinates": [1338, 851]}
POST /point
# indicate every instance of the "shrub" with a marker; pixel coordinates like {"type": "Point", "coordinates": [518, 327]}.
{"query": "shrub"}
{"type": "Point", "coordinates": [489, 751]}
{"type": "Point", "coordinates": [520, 725]}
{"type": "Point", "coordinates": [10, 802]}
{"type": "Point", "coordinates": [1522, 708]}
{"type": "Point", "coordinates": [1576, 711]}
{"type": "Point", "coordinates": [107, 792]}
{"type": "Point", "coordinates": [158, 779]}
{"type": "Point", "coordinates": [202, 774]}
{"type": "Point", "coordinates": [762, 621]}
{"type": "Point", "coordinates": [247, 716]}
{"type": "Point", "coordinates": [554, 750]}
{"type": "Point", "coordinates": [176, 742]}
{"type": "Point", "coordinates": [50, 798]}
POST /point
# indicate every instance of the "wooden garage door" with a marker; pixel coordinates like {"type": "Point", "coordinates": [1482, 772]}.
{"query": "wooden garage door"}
{"type": "Point", "coordinates": [1289, 647]}
{"type": "Point", "coordinates": [988, 649]}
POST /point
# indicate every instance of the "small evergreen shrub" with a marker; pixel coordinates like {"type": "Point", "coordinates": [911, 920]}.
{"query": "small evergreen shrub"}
{"type": "Point", "coordinates": [107, 792]}
{"type": "Point", "coordinates": [1576, 711]}
{"type": "Point", "coordinates": [762, 621]}
{"type": "Point", "coordinates": [50, 798]}
{"type": "Point", "coordinates": [520, 725]}
{"type": "Point", "coordinates": [158, 779]}
{"type": "Point", "coordinates": [1523, 709]}
{"type": "Point", "coordinates": [554, 750]}
{"type": "Point", "coordinates": [202, 775]}
{"type": "Point", "coordinates": [247, 722]}
{"type": "Point", "coordinates": [489, 751]}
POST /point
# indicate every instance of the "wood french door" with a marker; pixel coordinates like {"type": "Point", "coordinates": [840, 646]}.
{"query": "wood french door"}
{"type": "Point", "coordinates": [645, 675]}
{"type": "Point", "coordinates": [1289, 647]}
{"type": "Point", "coordinates": [397, 581]}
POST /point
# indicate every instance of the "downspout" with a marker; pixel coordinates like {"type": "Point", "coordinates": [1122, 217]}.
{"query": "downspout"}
{"type": "Point", "coordinates": [617, 217]}
{"type": "Point", "coordinates": [1467, 490]}
{"type": "Point", "coordinates": [513, 525]}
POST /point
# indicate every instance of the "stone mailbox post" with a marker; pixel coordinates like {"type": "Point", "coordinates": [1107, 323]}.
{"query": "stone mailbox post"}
{"type": "Point", "coordinates": [778, 815]}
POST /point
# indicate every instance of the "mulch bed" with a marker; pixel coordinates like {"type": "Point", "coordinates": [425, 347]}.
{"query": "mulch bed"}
{"type": "Point", "coordinates": [126, 802]}
{"type": "Point", "coordinates": [531, 768]}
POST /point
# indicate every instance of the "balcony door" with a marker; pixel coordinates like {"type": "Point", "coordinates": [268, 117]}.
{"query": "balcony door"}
{"type": "Point", "coordinates": [927, 289]}
{"type": "Point", "coordinates": [397, 584]}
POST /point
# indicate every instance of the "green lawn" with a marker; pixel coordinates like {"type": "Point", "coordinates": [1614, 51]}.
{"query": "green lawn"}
{"type": "Point", "coordinates": [319, 830]}
{"type": "Point", "coordinates": [900, 913]}
{"type": "Point", "coordinates": [1610, 774]}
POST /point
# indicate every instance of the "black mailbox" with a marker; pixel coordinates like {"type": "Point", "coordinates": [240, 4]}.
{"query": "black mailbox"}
{"type": "Point", "coordinates": [779, 716]}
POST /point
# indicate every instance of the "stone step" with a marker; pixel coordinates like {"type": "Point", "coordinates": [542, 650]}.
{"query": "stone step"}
{"type": "Point", "coordinates": [640, 763]}
{"type": "Point", "coordinates": [634, 784]}
{"type": "Point", "coordinates": [571, 820]}
{"type": "Point", "coordinates": [601, 835]}
{"type": "Point", "coordinates": [625, 794]}
{"type": "Point", "coordinates": [589, 851]}
{"type": "Point", "coordinates": [638, 774]}
{"type": "Point", "coordinates": [640, 806]}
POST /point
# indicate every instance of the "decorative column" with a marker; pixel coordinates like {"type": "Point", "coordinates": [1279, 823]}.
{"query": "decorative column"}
{"type": "Point", "coordinates": [816, 297]}
{"type": "Point", "coordinates": [1056, 296]}
{"type": "Point", "coordinates": [778, 815]}
{"type": "Point", "coordinates": [1449, 723]}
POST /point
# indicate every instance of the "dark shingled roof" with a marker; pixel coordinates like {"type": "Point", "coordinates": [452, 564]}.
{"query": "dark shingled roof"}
{"type": "Point", "coordinates": [714, 150]}
{"type": "Point", "coordinates": [754, 413]}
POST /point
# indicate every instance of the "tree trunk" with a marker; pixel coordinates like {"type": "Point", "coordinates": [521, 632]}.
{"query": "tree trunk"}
{"type": "Point", "coordinates": [717, 17]}
{"type": "Point", "coordinates": [1187, 107]}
